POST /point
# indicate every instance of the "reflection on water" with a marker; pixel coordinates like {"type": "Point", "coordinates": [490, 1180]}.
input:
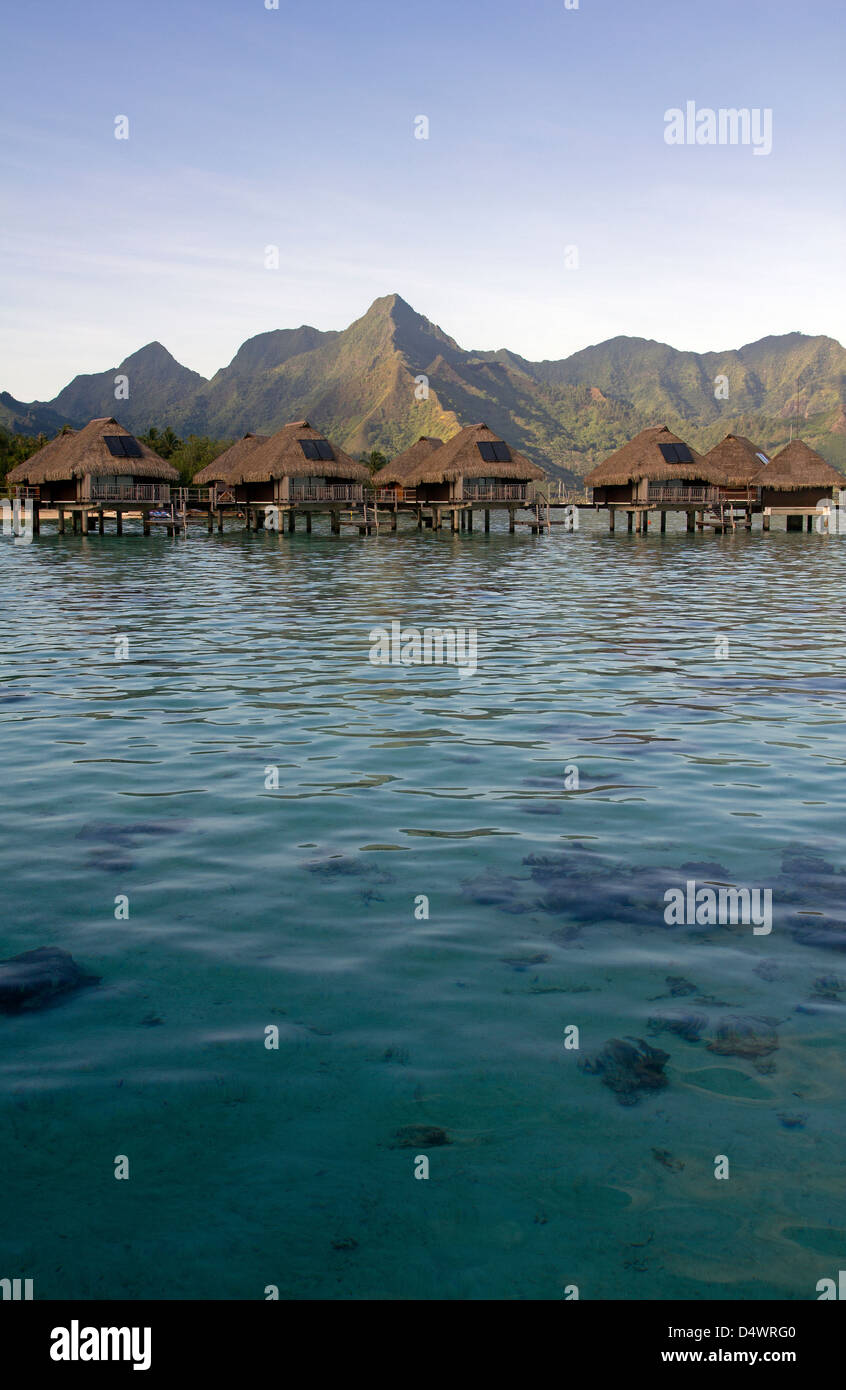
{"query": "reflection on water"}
{"type": "Point", "coordinates": [398, 870]}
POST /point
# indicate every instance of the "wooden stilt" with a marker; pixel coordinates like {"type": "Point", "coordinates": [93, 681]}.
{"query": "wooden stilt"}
{"type": "Point", "coordinates": [119, 521]}
{"type": "Point", "coordinates": [511, 520]}
{"type": "Point", "coordinates": [146, 523]}
{"type": "Point", "coordinates": [36, 517]}
{"type": "Point", "coordinates": [336, 523]}
{"type": "Point", "coordinates": [663, 520]}
{"type": "Point", "coordinates": [308, 523]}
{"type": "Point", "coordinates": [61, 521]}
{"type": "Point", "coordinates": [470, 519]}
{"type": "Point", "coordinates": [487, 519]}
{"type": "Point", "coordinates": [691, 521]}
{"type": "Point", "coordinates": [210, 521]}
{"type": "Point", "coordinates": [101, 521]}
{"type": "Point", "coordinates": [765, 524]}
{"type": "Point", "coordinates": [611, 519]}
{"type": "Point", "coordinates": [630, 521]}
{"type": "Point", "coordinates": [292, 521]}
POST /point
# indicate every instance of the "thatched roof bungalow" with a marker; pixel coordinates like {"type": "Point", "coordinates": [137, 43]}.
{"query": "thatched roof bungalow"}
{"type": "Point", "coordinates": [475, 465]}
{"type": "Point", "coordinates": [395, 475]}
{"type": "Point", "coordinates": [222, 474]}
{"type": "Point", "coordinates": [297, 464]}
{"type": "Point", "coordinates": [654, 467]}
{"type": "Point", "coordinates": [735, 464]}
{"type": "Point", "coordinates": [101, 462]}
{"type": "Point", "coordinates": [798, 477]}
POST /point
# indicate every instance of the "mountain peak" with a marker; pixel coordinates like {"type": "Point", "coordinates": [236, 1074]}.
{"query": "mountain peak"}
{"type": "Point", "coordinates": [153, 355]}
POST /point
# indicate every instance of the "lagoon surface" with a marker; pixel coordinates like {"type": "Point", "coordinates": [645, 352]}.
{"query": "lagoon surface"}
{"type": "Point", "coordinates": [258, 899]}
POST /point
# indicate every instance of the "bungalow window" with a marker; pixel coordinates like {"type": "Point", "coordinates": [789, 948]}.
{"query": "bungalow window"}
{"type": "Point", "coordinates": [114, 480]}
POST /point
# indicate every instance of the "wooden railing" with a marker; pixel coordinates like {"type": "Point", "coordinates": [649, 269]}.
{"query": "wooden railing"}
{"type": "Point", "coordinates": [657, 493]}
{"type": "Point", "coordinates": [187, 495]}
{"type": "Point", "coordinates": [22, 491]}
{"type": "Point", "coordinates": [389, 494]}
{"type": "Point", "coordinates": [128, 492]}
{"type": "Point", "coordinates": [329, 492]}
{"type": "Point", "coordinates": [499, 492]}
{"type": "Point", "coordinates": [740, 494]}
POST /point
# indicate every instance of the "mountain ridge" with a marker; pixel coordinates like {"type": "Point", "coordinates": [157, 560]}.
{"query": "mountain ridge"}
{"type": "Point", "coordinates": [393, 375]}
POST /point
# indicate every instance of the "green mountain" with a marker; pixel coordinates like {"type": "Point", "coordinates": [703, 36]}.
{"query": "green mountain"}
{"type": "Point", "coordinates": [364, 385]}
{"type": "Point", "coordinates": [158, 387]}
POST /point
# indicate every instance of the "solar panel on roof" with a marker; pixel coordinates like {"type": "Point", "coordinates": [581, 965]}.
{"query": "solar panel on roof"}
{"type": "Point", "coordinates": [131, 447]}
{"type": "Point", "coordinates": [114, 444]}
{"type": "Point", "coordinates": [502, 453]}
{"type": "Point", "coordinates": [486, 449]}
{"type": "Point", "coordinates": [324, 449]}
{"type": "Point", "coordinates": [676, 453]}
{"type": "Point", "coordinates": [309, 448]}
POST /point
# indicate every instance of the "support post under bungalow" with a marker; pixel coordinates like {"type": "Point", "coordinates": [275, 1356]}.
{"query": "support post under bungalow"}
{"type": "Point", "coordinates": [419, 519]}
{"type": "Point", "coordinates": [629, 522]}
{"type": "Point", "coordinates": [810, 525]}
{"type": "Point", "coordinates": [336, 523]}
{"type": "Point", "coordinates": [61, 521]}
{"type": "Point", "coordinates": [487, 519]}
{"type": "Point", "coordinates": [765, 523]}
{"type": "Point", "coordinates": [611, 517]}
{"type": "Point", "coordinates": [119, 521]}
{"type": "Point", "coordinates": [146, 522]}
{"type": "Point", "coordinates": [220, 521]}
{"type": "Point", "coordinates": [691, 521]}
{"type": "Point", "coordinates": [210, 521]}
{"type": "Point", "coordinates": [455, 521]}
{"type": "Point", "coordinates": [101, 521]}
{"type": "Point", "coordinates": [394, 519]}
{"type": "Point", "coordinates": [511, 520]}
{"type": "Point", "coordinates": [36, 517]}
{"type": "Point", "coordinates": [75, 522]}
{"type": "Point", "coordinates": [308, 523]}
{"type": "Point", "coordinates": [663, 520]}
{"type": "Point", "coordinates": [292, 521]}
{"type": "Point", "coordinates": [469, 518]}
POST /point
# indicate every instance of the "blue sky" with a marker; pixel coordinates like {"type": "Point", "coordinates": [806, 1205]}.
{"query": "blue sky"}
{"type": "Point", "coordinates": [294, 127]}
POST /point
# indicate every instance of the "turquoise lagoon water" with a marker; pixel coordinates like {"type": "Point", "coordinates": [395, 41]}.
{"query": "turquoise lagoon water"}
{"type": "Point", "coordinates": [253, 905]}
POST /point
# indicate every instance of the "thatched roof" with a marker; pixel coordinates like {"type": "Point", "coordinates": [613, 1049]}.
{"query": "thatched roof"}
{"type": "Point", "coordinates": [642, 458]}
{"type": "Point", "coordinates": [221, 469]}
{"type": "Point", "coordinates": [735, 461]}
{"type": "Point", "coordinates": [404, 464]}
{"type": "Point", "coordinates": [460, 458]}
{"type": "Point", "coordinates": [81, 452]}
{"type": "Point", "coordinates": [281, 456]}
{"type": "Point", "coordinates": [799, 466]}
